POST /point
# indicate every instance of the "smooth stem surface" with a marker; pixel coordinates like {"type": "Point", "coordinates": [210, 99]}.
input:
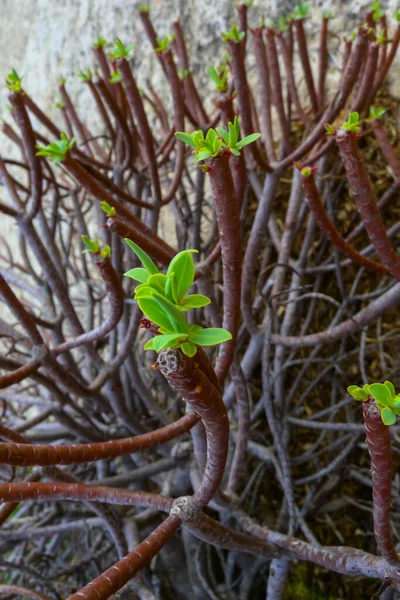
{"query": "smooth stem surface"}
{"type": "Point", "coordinates": [228, 218]}
{"type": "Point", "coordinates": [380, 451]}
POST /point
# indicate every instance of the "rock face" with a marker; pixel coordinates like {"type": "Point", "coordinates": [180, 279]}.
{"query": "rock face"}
{"type": "Point", "coordinates": [43, 40]}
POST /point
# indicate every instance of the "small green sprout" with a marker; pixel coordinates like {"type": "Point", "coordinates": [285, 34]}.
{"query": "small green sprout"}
{"type": "Point", "coordinates": [233, 34]}
{"type": "Point", "coordinates": [327, 14]}
{"type": "Point", "coordinates": [163, 43]}
{"type": "Point", "coordinates": [92, 246]}
{"type": "Point", "coordinates": [86, 74]}
{"type": "Point", "coordinates": [216, 140]}
{"type": "Point", "coordinates": [144, 8]}
{"type": "Point", "coordinates": [301, 10]}
{"type": "Point", "coordinates": [13, 81]}
{"type": "Point", "coordinates": [330, 129]}
{"type": "Point", "coordinates": [352, 124]}
{"type": "Point", "coordinates": [57, 151]}
{"type": "Point", "coordinates": [99, 42]}
{"type": "Point", "coordinates": [183, 73]}
{"type": "Point", "coordinates": [219, 77]}
{"type": "Point", "coordinates": [282, 23]}
{"type": "Point", "coordinates": [115, 76]}
{"type": "Point", "coordinates": [163, 299]}
{"type": "Point", "coordinates": [108, 209]}
{"type": "Point", "coordinates": [376, 112]}
{"type": "Point", "coordinates": [63, 81]}
{"type": "Point", "coordinates": [377, 12]}
{"type": "Point", "coordinates": [381, 39]}
{"type": "Point", "coordinates": [385, 399]}
{"type": "Point", "coordinates": [119, 50]}
{"type": "Point", "coordinates": [397, 16]}
{"type": "Point", "coordinates": [106, 252]}
{"type": "Point", "coordinates": [60, 105]}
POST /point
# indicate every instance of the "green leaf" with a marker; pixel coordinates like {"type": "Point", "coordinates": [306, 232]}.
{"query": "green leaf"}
{"type": "Point", "coordinates": [170, 288]}
{"type": "Point", "coordinates": [198, 139]}
{"type": "Point", "coordinates": [248, 140]}
{"type": "Point", "coordinates": [390, 387]}
{"type": "Point", "coordinates": [195, 301]}
{"type": "Point", "coordinates": [185, 138]}
{"type": "Point", "coordinates": [138, 274]}
{"type": "Point", "coordinates": [203, 155]}
{"type": "Point", "coordinates": [224, 134]}
{"type": "Point", "coordinates": [91, 245]}
{"type": "Point", "coordinates": [177, 320]}
{"type": "Point", "coordinates": [214, 75]}
{"type": "Point", "coordinates": [160, 342]}
{"type": "Point", "coordinates": [380, 393]}
{"type": "Point", "coordinates": [152, 310]}
{"type": "Point", "coordinates": [233, 135]}
{"type": "Point", "coordinates": [234, 151]}
{"type": "Point", "coordinates": [210, 337]}
{"type": "Point", "coordinates": [183, 266]}
{"type": "Point", "coordinates": [158, 282]}
{"type": "Point", "coordinates": [388, 416]}
{"type": "Point", "coordinates": [189, 349]}
{"type": "Point", "coordinates": [358, 393]}
{"type": "Point", "coordinates": [108, 209]}
{"type": "Point", "coordinates": [143, 257]}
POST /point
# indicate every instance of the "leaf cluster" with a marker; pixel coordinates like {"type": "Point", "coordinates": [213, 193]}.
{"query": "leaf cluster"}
{"type": "Point", "coordinates": [163, 299]}
{"type": "Point", "coordinates": [86, 74]}
{"type": "Point", "coordinates": [119, 50]}
{"type": "Point", "coordinates": [377, 13]}
{"type": "Point", "coordinates": [93, 246]}
{"type": "Point", "coordinates": [13, 81]}
{"type": "Point", "coordinates": [163, 43]}
{"type": "Point", "coordinates": [385, 399]}
{"type": "Point", "coordinates": [216, 140]}
{"type": "Point", "coordinates": [301, 10]}
{"type": "Point", "coordinates": [99, 42]}
{"type": "Point", "coordinates": [376, 112]}
{"type": "Point", "coordinates": [234, 34]}
{"type": "Point", "coordinates": [57, 151]}
{"type": "Point", "coordinates": [352, 124]}
{"type": "Point", "coordinates": [115, 76]}
{"type": "Point", "coordinates": [108, 209]}
{"type": "Point", "coordinates": [144, 8]}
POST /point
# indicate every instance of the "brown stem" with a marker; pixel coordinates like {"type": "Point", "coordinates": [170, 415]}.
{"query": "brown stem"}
{"type": "Point", "coordinates": [380, 451]}
{"type": "Point", "coordinates": [366, 202]}
{"type": "Point", "coordinates": [194, 386]}
{"type": "Point", "coordinates": [330, 231]}
{"type": "Point", "coordinates": [29, 144]}
{"type": "Point", "coordinates": [137, 108]}
{"type": "Point", "coordinates": [24, 454]}
{"type": "Point", "coordinates": [115, 294]}
{"type": "Point", "coordinates": [264, 88]}
{"type": "Point", "coordinates": [276, 88]}
{"type": "Point", "coordinates": [153, 245]}
{"type": "Point", "coordinates": [305, 63]}
{"type": "Point", "coordinates": [323, 62]}
{"type": "Point", "coordinates": [243, 96]}
{"type": "Point", "coordinates": [228, 218]}
{"type": "Point", "coordinates": [113, 579]}
{"type": "Point", "coordinates": [386, 147]}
